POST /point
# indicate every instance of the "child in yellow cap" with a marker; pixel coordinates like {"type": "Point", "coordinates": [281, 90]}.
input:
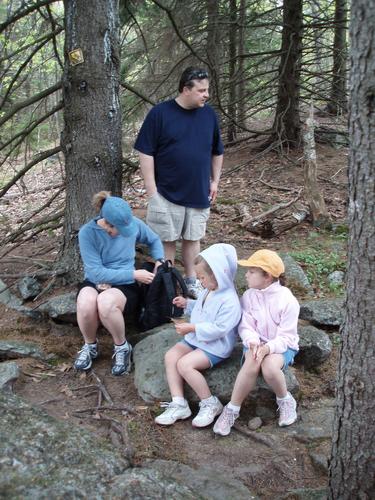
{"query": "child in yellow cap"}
{"type": "Point", "coordinates": [268, 330]}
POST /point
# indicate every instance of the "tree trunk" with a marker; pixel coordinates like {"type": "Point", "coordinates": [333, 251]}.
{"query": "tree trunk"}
{"type": "Point", "coordinates": [352, 470]}
{"type": "Point", "coordinates": [91, 140]}
{"type": "Point", "coordinates": [241, 108]}
{"type": "Point", "coordinates": [319, 214]}
{"type": "Point", "coordinates": [231, 132]}
{"type": "Point", "coordinates": [338, 102]}
{"type": "Point", "coordinates": [286, 126]}
{"type": "Point", "coordinates": [213, 43]}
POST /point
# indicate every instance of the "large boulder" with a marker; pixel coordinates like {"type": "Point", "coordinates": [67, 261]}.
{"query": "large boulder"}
{"type": "Point", "coordinates": [44, 458]}
{"type": "Point", "coordinates": [323, 312]}
{"type": "Point", "coordinates": [314, 346]}
{"type": "Point", "coordinates": [150, 378]}
{"type": "Point", "coordinates": [29, 287]}
{"type": "Point", "coordinates": [61, 308]}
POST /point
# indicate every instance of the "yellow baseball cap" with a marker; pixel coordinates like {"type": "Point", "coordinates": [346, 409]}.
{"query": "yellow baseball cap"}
{"type": "Point", "coordinates": [268, 260]}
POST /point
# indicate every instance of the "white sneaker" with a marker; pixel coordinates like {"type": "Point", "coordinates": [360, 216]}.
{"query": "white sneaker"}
{"type": "Point", "coordinates": [194, 289]}
{"type": "Point", "coordinates": [173, 413]}
{"type": "Point", "coordinates": [287, 408]}
{"type": "Point", "coordinates": [224, 423]}
{"type": "Point", "coordinates": [207, 413]}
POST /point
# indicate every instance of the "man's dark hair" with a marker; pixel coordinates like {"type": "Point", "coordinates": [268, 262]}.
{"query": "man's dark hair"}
{"type": "Point", "coordinates": [191, 73]}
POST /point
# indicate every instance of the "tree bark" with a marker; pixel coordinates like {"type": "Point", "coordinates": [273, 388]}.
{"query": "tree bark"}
{"type": "Point", "coordinates": [338, 100]}
{"type": "Point", "coordinates": [91, 140]}
{"type": "Point", "coordinates": [212, 48]}
{"type": "Point", "coordinates": [286, 126]}
{"type": "Point", "coordinates": [352, 469]}
{"type": "Point", "coordinates": [231, 132]}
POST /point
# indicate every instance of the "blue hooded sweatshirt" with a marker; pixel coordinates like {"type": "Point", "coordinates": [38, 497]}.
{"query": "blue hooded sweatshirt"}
{"type": "Point", "coordinates": [111, 259]}
{"type": "Point", "coordinates": [216, 318]}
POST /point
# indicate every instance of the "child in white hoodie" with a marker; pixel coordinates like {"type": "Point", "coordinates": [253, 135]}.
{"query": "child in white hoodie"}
{"type": "Point", "coordinates": [209, 337]}
{"type": "Point", "coordinates": [268, 330]}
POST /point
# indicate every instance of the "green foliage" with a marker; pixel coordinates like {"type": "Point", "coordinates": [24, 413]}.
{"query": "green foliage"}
{"type": "Point", "coordinates": [318, 265]}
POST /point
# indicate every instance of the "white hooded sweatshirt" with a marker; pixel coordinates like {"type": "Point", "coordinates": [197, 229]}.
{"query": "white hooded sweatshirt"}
{"type": "Point", "coordinates": [217, 317]}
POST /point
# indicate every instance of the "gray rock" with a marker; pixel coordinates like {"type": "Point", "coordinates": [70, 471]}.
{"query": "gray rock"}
{"type": "Point", "coordinates": [254, 423]}
{"type": "Point", "coordinates": [7, 298]}
{"type": "Point", "coordinates": [150, 379]}
{"type": "Point", "coordinates": [217, 486]}
{"type": "Point", "coordinates": [315, 346]}
{"type": "Point", "coordinates": [314, 423]}
{"type": "Point", "coordinates": [28, 287]}
{"type": "Point", "coordinates": [15, 349]}
{"type": "Point", "coordinates": [15, 303]}
{"type": "Point", "coordinates": [9, 373]}
{"type": "Point", "coordinates": [298, 282]}
{"type": "Point", "coordinates": [336, 278]}
{"type": "Point", "coordinates": [61, 308]}
{"type": "Point", "coordinates": [323, 312]}
{"type": "Point", "coordinates": [45, 458]}
{"type": "Point", "coordinates": [305, 494]}
{"type": "Point", "coordinates": [319, 461]}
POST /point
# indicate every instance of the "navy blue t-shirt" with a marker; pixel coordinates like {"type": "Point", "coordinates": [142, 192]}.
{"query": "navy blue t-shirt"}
{"type": "Point", "coordinates": [182, 143]}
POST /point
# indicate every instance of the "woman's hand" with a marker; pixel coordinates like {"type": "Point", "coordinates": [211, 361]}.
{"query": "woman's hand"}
{"type": "Point", "coordinates": [143, 276]}
{"type": "Point", "coordinates": [179, 302]}
{"type": "Point", "coordinates": [184, 328]}
{"type": "Point", "coordinates": [103, 286]}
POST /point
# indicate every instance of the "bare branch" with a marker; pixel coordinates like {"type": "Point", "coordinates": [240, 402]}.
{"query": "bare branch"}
{"type": "Point", "coordinates": [24, 11]}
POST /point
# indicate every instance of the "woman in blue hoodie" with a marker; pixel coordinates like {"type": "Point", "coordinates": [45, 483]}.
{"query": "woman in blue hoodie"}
{"type": "Point", "coordinates": [110, 290]}
{"type": "Point", "coordinates": [208, 338]}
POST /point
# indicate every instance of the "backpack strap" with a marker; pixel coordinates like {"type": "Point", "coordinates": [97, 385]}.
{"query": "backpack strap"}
{"type": "Point", "coordinates": [180, 281]}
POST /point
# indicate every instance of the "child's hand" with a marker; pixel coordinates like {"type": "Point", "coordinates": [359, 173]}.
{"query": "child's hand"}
{"type": "Point", "coordinates": [184, 328]}
{"type": "Point", "coordinates": [260, 352]}
{"type": "Point", "coordinates": [179, 302]}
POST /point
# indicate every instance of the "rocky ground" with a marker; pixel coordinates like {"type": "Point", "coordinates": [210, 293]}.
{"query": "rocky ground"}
{"type": "Point", "coordinates": [270, 462]}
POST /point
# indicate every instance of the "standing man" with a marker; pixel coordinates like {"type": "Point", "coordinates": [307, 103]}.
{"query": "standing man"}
{"type": "Point", "coordinates": [181, 155]}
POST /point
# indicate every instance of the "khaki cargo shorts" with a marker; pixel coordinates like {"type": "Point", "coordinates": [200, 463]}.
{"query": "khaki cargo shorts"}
{"type": "Point", "coordinates": [171, 222]}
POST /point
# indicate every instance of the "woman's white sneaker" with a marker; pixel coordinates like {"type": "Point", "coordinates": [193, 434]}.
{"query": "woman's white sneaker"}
{"type": "Point", "coordinates": [173, 413]}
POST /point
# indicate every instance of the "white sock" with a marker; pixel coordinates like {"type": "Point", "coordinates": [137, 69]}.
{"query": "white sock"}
{"type": "Point", "coordinates": [211, 400]}
{"type": "Point", "coordinates": [234, 408]}
{"type": "Point", "coordinates": [179, 401]}
{"type": "Point", "coordinates": [125, 344]}
{"type": "Point", "coordinates": [288, 395]}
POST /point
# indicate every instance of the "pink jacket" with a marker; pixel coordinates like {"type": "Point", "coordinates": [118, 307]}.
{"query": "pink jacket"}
{"type": "Point", "coordinates": [270, 316]}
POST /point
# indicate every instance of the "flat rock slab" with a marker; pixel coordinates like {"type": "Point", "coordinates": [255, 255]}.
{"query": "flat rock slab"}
{"type": "Point", "coordinates": [315, 423]}
{"type": "Point", "coordinates": [9, 373]}
{"type": "Point", "coordinates": [62, 308]}
{"type": "Point", "coordinates": [323, 312]}
{"type": "Point", "coordinates": [15, 349]}
{"type": "Point", "coordinates": [44, 458]}
{"type": "Point", "coordinates": [150, 378]}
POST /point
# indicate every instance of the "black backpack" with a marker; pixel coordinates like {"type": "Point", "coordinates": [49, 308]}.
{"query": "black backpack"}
{"type": "Point", "coordinates": [157, 307]}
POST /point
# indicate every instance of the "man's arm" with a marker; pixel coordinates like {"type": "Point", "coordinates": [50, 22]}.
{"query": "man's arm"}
{"type": "Point", "coordinates": [147, 165]}
{"type": "Point", "coordinates": [216, 165]}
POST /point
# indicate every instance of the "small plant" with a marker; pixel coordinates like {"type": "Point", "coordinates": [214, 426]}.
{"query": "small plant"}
{"type": "Point", "coordinates": [318, 265]}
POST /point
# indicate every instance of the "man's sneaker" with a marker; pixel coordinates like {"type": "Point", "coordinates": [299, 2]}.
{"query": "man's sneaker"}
{"type": "Point", "coordinates": [207, 413]}
{"type": "Point", "coordinates": [173, 413]}
{"type": "Point", "coordinates": [287, 408]}
{"type": "Point", "coordinates": [194, 289]}
{"type": "Point", "coordinates": [85, 356]}
{"type": "Point", "coordinates": [225, 422]}
{"type": "Point", "coordinates": [122, 359]}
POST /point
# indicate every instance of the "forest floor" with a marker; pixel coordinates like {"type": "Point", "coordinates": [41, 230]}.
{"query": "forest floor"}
{"type": "Point", "coordinates": [262, 181]}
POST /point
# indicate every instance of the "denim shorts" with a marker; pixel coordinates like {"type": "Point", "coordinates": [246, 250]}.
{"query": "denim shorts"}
{"type": "Point", "coordinates": [289, 355]}
{"type": "Point", "coordinates": [214, 360]}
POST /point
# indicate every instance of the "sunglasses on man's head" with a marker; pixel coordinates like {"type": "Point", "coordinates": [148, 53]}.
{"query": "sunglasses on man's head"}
{"type": "Point", "coordinates": [196, 75]}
